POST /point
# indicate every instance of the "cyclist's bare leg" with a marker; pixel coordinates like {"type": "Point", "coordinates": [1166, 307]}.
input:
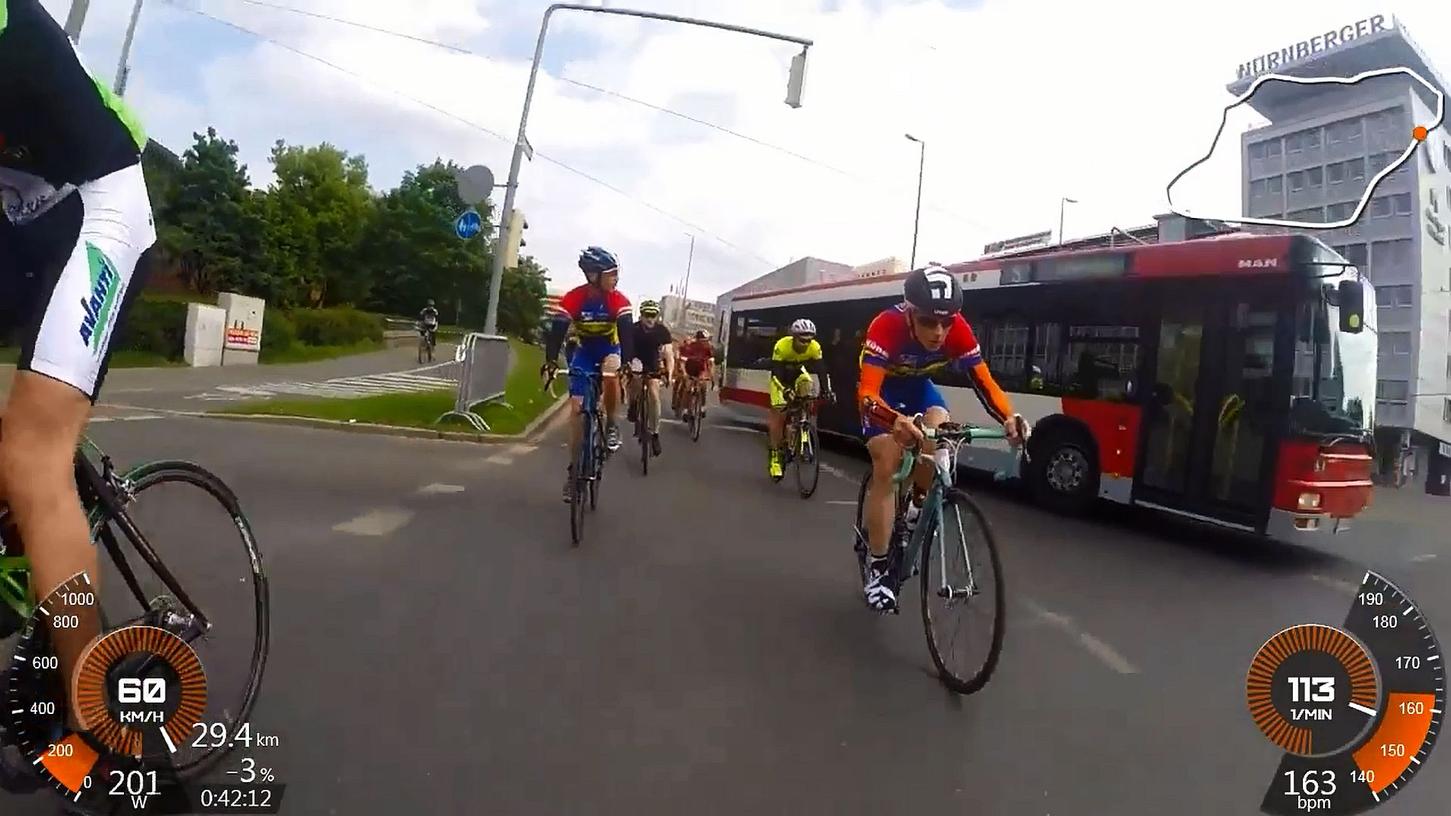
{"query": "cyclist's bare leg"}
{"type": "Point", "coordinates": [922, 474]}
{"type": "Point", "coordinates": [44, 420]}
{"type": "Point", "coordinates": [879, 506]}
{"type": "Point", "coordinates": [776, 426]}
{"type": "Point", "coordinates": [652, 407]}
{"type": "Point", "coordinates": [576, 428]}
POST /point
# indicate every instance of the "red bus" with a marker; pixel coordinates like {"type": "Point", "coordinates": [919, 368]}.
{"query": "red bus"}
{"type": "Point", "coordinates": [1227, 379]}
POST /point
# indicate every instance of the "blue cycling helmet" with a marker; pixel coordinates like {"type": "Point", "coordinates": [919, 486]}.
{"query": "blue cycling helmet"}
{"type": "Point", "coordinates": [597, 260]}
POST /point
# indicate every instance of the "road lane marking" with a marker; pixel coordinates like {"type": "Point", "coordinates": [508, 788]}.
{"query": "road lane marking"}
{"type": "Point", "coordinates": [439, 488]}
{"type": "Point", "coordinates": [1416, 559]}
{"type": "Point", "coordinates": [1095, 646]}
{"type": "Point", "coordinates": [380, 522]}
{"type": "Point", "coordinates": [837, 472]}
{"type": "Point", "coordinates": [841, 501]}
{"type": "Point", "coordinates": [500, 459]}
{"type": "Point", "coordinates": [1334, 583]}
{"type": "Point", "coordinates": [736, 428]}
{"type": "Point", "coordinates": [140, 417]}
{"type": "Point", "coordinates": [520, 450]}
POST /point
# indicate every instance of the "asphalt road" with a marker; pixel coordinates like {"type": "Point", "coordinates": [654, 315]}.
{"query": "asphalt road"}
{"type": "Point", "coordinates": [177, 388]}
{"type": "Point", "coordinates": [438, 647]}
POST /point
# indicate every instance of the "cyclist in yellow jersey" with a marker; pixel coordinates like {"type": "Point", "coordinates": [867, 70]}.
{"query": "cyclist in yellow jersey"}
{"type": "Point", "coordinates": [793, 359]}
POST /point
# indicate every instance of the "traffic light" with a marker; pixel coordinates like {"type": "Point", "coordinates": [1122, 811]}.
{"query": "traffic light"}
{"type": "Point", "coordinates": [514, 239]}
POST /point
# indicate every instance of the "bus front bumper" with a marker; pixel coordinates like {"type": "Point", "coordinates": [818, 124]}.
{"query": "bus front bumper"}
{"type": "Point", "coordinates": [1297, 528]}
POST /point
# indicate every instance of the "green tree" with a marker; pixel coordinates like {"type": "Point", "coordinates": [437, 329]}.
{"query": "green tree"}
{"type": "Point", "coordinates": [200, 219]}
{"type": "Point", "coordinates": [412, 251]}
{"type": "Point", "coordinates": [316, 215]}
{"type": "Point", "coordinates": [521, 298]}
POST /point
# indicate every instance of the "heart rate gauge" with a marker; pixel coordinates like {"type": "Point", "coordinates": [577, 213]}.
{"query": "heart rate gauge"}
{"type": "Point", "coordinates": [1355, 708]}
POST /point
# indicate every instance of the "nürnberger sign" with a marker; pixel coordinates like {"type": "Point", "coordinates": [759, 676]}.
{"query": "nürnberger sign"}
{"type": "Point", "coordinates": [1320, 42]}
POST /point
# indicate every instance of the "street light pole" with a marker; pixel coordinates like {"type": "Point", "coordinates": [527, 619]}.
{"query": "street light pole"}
{"type": "Point", "coordinates": [123, 69]}
{"type": "Point", "coordinates": [1061, 203]}
{"type": "Point", "coordinates": [76, 18]}
{"type": "Point", "coordinates": [921, 166]}
{"type": "Point", "coordinates": [491, 319]}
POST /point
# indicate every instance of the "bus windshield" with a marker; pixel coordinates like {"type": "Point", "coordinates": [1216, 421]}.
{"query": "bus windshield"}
{"type": "Point", "coordinates": [1335, 371]}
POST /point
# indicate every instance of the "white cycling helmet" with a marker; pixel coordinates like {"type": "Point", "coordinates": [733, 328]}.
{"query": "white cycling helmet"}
{"type": "Point", "coordinates": [803, 326]}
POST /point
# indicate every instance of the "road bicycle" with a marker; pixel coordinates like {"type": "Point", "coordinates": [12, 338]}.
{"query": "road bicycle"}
{"type": "Point", "coordinates": [954, 580]}
{"type": "Point", "coordinates": [109, 498]}
{"type": "Point", "coordinates": [695, 407]}
{"type": "Point", "coordinates": [642, 404]}
{"type": "Point", "coordinates": [427, 340]}
{"type": "Point", "coordinates": [801, 442]}
{"type": "Point", "coordinates": [590, 457]}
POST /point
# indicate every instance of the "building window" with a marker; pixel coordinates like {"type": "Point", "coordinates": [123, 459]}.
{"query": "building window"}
{"type": "Point", "coordinates": [1292, 143]}
{"type": "Point", "coordinates": [1393, 297]}
{"type": "Point", "coordinates": [1315, 177]}
{"type": "Point", "coordinates": [1339, 212]}
{"type": "Point", "coordinates": [1309, 215]}
{"type": "Point", "coordinates": [1312, 138]}
{"type": "Point", "coordinates": [1356, 254]}
{"type": "Point", "coordinates": [1336, 172]}
{"type": "Point", "coordinates": [1446, 411]}
{"type": "Point", "coordinates": [1380, 207]}
{"type": "Point", "coordinates": [1395, 344]}
{"type": "Point", "coordinates": [1297, 181]}
{"type": "Point", "coordinates": [1380, 161]}
{"type": "Point", "coordinates": [1273, 148]}
{"type": "Point", "coordinates": [1356, 169]}
{"type": "Point", "coordinates": [1257, 150]}
{"type": "Point", "coordinates": [1334, 135]}
{"type": "Point", "coordinates": [1392, 390]}
{"type": "Point", "coordinates": [1402, 202]}
{"type": "Point", "coordinates": [1388, 256]}
{"type": "Point", "coordinates": [1276, 184]}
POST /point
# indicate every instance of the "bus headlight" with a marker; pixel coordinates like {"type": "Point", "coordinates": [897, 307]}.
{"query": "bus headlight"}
{"type": "Point", "coordinates": [1309, 501]}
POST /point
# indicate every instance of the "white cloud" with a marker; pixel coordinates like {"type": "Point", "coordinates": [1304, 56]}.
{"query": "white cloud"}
{"type": "Point", "coordinates": [1020, 103]}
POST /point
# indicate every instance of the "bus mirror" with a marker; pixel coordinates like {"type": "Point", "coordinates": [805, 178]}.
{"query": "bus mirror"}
{"type": "Point", "coordinates": [1352, 306]}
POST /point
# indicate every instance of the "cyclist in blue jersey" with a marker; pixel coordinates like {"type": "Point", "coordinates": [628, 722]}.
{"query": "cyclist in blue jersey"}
{"type": "Point", "coordinates": [76, 228]}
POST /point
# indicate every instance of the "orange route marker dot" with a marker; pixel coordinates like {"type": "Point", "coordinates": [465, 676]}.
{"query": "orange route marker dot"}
{"type": "Point", "coordinates": [1418, 133]}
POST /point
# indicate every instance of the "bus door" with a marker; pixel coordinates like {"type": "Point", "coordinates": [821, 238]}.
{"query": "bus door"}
{"type": "Point", "coordinates": [1213, 406]}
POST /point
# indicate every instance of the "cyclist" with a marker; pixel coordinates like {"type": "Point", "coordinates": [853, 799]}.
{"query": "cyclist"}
{"type": "Point", "coordinates": [793, 359]}
{"type": "Point", "coordinates": [699, 357]}
{"type": "Point", "coordinates": [75, 243]}
{"type": "Point", "coordinates": [652, 348]}
{"type": "Point", "coordinates": [600, 315]}
{"type": "Point", "coordinates": [904, 346]}
{"type": "Point", "coordinates": [428, 321]}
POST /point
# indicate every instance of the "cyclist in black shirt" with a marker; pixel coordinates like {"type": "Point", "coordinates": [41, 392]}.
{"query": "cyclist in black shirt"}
{"type": "Point", "coordinates": [653, 346]}
{"type": "Point", "coordinates": [76, 228]}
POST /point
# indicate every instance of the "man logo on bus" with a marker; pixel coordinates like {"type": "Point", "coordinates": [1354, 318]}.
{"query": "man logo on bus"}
{"type": "Point", "coordinates": [1259, 263]}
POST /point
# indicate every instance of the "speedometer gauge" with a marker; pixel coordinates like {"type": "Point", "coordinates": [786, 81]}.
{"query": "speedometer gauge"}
{"type": "Point", "coordinates": [1356, 708]}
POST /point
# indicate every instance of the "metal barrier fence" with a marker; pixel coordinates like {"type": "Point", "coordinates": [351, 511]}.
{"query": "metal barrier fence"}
{"type": "Point", "coordinates": [483, 368]}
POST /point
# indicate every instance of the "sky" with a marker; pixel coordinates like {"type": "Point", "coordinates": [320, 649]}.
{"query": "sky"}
{"type": "Point", "coordinates": [1020, 104]}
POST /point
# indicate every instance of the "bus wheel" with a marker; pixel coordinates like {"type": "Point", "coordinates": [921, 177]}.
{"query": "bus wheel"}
{"type": "Point", "coordinates": [1064, 471]}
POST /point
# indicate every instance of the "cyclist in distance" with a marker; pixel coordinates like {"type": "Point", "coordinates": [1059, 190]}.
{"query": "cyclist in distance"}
{"type": "Point", "coordinates": [652, 347]}
{"type": "Point", "coordinates": [428, 319]}
{"type": "Point", "coordinates": [75, 241]}
{"type": "Point", "coordinates": [600, 315]}
{"type": "Point", "coordinates": [794, 359]}
{"type": "Point", "coordinates": [904, 346]}
{"type": "Point", "coordinates": [699, 357]}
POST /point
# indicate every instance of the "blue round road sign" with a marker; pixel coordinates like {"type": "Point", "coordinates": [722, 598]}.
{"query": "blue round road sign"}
{"type": "Point", "coordinates": [468, 224]}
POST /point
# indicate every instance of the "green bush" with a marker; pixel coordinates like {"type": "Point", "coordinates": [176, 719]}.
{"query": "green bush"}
{"type": "Point", "coordinates": [278, 332]}
{"type": "Point", "coordinates": [157, 326]}
{"type": "Point", "coordinates": [336, 327]}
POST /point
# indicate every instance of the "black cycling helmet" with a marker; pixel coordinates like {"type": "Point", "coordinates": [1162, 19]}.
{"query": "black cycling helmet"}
{"type": "Point", "coordinates": [933, 290]}
{"type": "Point", "coordinates": [701, 335]}
{"type": "Point", "coordinates": [596, 260]}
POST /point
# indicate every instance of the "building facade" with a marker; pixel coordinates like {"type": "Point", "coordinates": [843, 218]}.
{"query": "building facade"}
{"type": "Point", "coordinates": [1313, 163]}
{"type": "Point", "coordinates": [686, 317]}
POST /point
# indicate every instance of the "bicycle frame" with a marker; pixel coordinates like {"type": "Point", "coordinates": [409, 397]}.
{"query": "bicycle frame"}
{"type": "Point", "coordinates": [104, 496]}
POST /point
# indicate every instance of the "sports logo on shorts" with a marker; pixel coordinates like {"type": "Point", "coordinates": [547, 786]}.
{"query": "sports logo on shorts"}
{"type": "Point", "coordinates": [98, 307]}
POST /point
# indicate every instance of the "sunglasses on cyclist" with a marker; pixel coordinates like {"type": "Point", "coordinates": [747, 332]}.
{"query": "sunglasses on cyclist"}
{"type": "Point", "coordinates": [929, 321]}
{"type": "Point", "coordinates": [803, 338]}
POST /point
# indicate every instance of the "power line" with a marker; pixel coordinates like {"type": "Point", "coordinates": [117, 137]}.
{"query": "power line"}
{"type": "Point", "coordinates": [627, 98]}
{"type": "Point", "coordinates": [478, 127]}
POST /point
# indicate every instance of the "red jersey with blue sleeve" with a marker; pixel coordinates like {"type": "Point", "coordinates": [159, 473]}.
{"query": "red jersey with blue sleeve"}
{"type": "Point", "coordinates": [892, 351]}
{"type": "Point", "coordinates": [595, 314]}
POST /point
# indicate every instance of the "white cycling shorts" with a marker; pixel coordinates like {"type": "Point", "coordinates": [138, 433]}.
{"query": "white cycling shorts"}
{"type": "Point", "coordinates": [68, 277]}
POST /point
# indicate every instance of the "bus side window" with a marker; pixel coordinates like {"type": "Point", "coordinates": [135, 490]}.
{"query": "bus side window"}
{"type": "Point", "coordinates": [1006, 352]}
{"type": "Point", "coordinates": [1102, 362]}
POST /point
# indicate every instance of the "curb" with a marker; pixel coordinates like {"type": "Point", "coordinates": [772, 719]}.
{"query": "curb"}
{"type": "Point", "coordinates": [545, 417]}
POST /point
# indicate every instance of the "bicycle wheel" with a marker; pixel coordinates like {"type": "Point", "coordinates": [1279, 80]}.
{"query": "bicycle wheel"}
{"type": "Point", "coordinates": [598, 465]}
{"type": "Point", "coordinates": [859, 544]}
{"type": "Point", "coordinates": [161, 609]}
{"type": "Point", "coordinates": [808, 463]}
{"type": "Point", "coordinates": [960, 567]}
